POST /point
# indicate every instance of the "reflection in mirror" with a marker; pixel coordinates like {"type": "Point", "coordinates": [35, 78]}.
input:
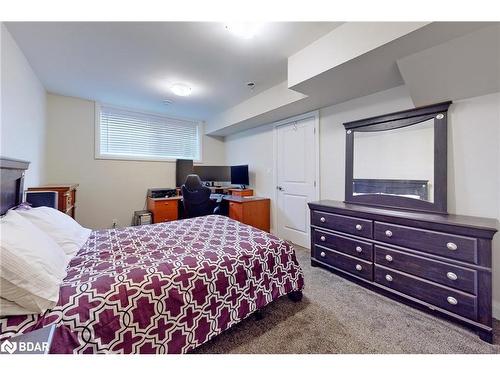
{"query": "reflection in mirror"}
{"type": "Point", "coordinates": [398, 162]}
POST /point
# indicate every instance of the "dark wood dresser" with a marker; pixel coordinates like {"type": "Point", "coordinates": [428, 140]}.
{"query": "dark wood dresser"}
{"type": "Point", "coordinates": [66, 196]}
{"type": "Point", "coordinates": [432, 261]}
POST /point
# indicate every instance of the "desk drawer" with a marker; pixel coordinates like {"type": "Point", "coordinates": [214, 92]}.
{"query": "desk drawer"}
{"type": "Point", "coordinates": [449, 299]}
{"type": "Point", "coordinates": [360, 249]}
{"type": "Point", "coordinates": [69, 200]}
{"type": "Point", "coordinates": [446, 245]}
{"type": "Point", "coordinates": [440, 272]}
{"type": "Point", "coordinates": [166, 210]}
{"type": "Point", "coordinates": [346, 263]}
{"type": "Point", "coordinates": [340, 223]}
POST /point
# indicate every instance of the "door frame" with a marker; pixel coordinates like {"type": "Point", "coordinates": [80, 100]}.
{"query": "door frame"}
{"type": "Point", "coordinates": [276, 125]}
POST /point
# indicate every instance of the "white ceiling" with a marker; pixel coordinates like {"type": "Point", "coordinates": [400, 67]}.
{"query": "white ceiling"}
{"type": "Point", "coordinates": [134, 64]}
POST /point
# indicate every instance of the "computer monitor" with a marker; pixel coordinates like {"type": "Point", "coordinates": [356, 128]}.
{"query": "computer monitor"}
{"type": "Point", "coordinates": [239, 175]}
{"type": "Point", "coordinates": [42, 198]}
{"type": "Point", "coordinates": [182, 169]}
{"type": "Point", "coordinates": [212, 173]}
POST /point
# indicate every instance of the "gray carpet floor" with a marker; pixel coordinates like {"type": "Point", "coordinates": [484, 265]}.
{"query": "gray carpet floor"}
{"type": "Point", "coordinates": [338, 316]}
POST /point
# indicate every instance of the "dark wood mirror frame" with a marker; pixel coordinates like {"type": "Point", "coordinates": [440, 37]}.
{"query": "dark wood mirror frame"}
{"type": "Point", "coordinates": [438, 112]}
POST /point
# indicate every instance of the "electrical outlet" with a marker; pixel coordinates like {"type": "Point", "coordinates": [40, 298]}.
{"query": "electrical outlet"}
{"type": "Point", "coordinates": [115, 223]}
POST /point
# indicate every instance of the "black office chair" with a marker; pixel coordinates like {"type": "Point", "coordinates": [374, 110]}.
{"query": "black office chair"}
{"type": "Point", "coordinates": [196, 198]}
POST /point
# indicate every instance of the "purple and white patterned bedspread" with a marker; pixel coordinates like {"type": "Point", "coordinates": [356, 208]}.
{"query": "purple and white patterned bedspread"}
{"type": "Point", "coordinates": [164, 288]}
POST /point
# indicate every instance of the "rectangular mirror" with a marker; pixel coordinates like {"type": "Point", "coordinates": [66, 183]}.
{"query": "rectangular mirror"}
{"type": "Point", "coordinates": [399, 160]}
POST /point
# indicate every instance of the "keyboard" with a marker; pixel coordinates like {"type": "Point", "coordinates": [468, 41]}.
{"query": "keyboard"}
{"type": "Point", "coordinates": [216, 196]}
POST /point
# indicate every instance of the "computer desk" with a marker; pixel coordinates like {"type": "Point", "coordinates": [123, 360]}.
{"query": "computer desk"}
{"type": "Point", "coordinates": [251, 210]}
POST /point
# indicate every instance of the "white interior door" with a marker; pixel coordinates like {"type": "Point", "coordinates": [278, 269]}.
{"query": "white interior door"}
{"type": "Point", "coordinates": [296, 175]}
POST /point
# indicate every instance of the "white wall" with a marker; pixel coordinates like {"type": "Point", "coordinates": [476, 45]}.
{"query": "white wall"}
{"type": "Point", "coordinates": [344, 43]}
{"type": "Point", "coordinates": [473, 165]}
{"type": "Point", "coordinates": [109, 189]}
{"type": "Point", "coordinates": [23, 98]}
{"type": "Point", "coordinates": [255, 148]}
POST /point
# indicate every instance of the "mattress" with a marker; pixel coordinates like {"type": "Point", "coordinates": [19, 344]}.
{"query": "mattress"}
{"type": "Point", "coordinates": [164, 288]}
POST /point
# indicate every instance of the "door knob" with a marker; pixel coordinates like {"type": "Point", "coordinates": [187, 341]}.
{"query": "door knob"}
{"type": "Point", "coordinates": [280, 188]}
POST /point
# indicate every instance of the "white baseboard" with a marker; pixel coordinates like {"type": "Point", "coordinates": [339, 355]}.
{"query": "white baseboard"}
{"type": "Point", "coordinates": [496, 310]}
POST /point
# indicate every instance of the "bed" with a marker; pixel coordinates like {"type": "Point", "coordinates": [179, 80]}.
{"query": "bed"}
{"type": "Point", "coordinates": [163, 288]}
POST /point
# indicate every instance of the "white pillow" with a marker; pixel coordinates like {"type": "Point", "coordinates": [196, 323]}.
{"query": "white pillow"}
{"type": "Point", "coordinates": [60, 227]}
{"type": "Point", "coordinates": [8, 308]}
{"type": "Point", "coordinates": [32, 265]}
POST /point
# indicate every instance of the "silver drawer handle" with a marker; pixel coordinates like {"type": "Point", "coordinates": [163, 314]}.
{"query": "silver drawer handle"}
{"type": "Point", "coordinates": [388, 277]}
{"type": "Point", "coordinates": [388, 258]}
{"type": "Point", "coordinates": [322, 254]}
{"type": "Point", "coordinates": [358, 267]}
{"type": "Point", "coordinates": [322, 219]}
{"type": "Point", "coordinates": [452, 301]}
{"type": "Point", "coordinates": [388, 233]}
{"type": "Point", "coordinates": [451, 276]}
{"type": "Point", "coordinates": [359, 249]}
{"type": "Point", "coordinates": [451, 246]}
{"type": "Point", "coordinates": [359, 227]}
{"type": "Point", "coordinates": [323, 238]}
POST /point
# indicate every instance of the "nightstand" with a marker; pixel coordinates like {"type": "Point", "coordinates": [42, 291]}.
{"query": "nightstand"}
{"type": "Point", "coordinates": [66, 196]}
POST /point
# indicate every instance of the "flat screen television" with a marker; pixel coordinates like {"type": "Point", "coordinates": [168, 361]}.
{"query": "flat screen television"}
{"type": "Point", "coordinates": [183, 168]}
{"type": "Point", "coordinates": [239, 175]}
{"type": "Point", "coordinates": [212, 173]}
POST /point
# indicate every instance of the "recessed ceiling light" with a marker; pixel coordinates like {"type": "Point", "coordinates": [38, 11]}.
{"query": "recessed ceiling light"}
{"type": "Point", "coordinates": [181, 89]}
{"type": "Point", "coordinates": [245, 30]}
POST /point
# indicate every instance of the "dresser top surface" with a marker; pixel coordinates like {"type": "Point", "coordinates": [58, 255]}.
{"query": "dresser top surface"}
{"type": "Point", "coordinates": [55, 186]}
{"type": "Point", "coordinates": [376, 213]}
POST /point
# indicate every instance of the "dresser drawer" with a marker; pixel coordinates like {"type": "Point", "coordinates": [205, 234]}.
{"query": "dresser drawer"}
{"type": "Point", "coordinates": [446, 245]}
{"type": "Point", "coordinates": [346, 263]}
{"type": "Point", "coordinates": [360, 249]}
{"type": "Point", "coordinates": [440, 272]}
{"type": "Point", "coordinates": [452, 300]}
{"type": "Point", "coordinates": [340, 223]}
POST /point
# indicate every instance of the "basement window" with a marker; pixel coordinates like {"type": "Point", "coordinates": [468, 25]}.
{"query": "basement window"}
{"type": "Point", "coordinates": [131, 135]}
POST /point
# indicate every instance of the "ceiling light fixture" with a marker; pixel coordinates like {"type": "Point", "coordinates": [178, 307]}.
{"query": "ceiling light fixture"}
{"type": "Point", "coordinates": [181, 89]}
{"type": "Point", "coordinates": [245, 30]}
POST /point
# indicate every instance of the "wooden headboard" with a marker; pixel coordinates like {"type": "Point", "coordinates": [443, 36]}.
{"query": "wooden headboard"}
{"type": "Point", "coordinates": [12, 182]}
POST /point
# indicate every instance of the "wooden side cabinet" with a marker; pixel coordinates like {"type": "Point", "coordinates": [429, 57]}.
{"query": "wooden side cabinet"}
{"type": "Point", "coordinates": [164, 209]}
{"type": "Point", "coordinates": [253, 211]}
{"type": "Point", "coordinates": [241, 192]}
{"type": "Point", "coordinates": [66, 196]}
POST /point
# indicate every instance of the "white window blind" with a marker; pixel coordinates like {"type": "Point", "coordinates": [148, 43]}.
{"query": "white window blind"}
{"type": "Point", "coordinates": [134, 135]}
